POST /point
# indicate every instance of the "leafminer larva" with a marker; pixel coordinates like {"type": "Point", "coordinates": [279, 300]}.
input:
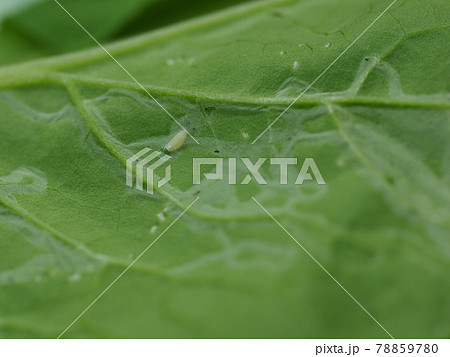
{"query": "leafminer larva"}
{"type": "Point", "coordinates": [177, 141]}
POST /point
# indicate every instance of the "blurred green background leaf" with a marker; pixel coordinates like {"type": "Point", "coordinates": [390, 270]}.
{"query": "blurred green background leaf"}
{"type": "Point", "coordinates": [37, 28]}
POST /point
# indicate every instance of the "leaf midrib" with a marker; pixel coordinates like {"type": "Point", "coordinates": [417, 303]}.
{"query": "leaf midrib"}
{"type": "Point", "coordinates": [307, 100]}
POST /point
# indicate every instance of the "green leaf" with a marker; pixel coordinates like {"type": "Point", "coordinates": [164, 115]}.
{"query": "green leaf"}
{"type": "Point", "coordinates": [376, 124]}
{"type": "Point", "coordinates": [23, 36]}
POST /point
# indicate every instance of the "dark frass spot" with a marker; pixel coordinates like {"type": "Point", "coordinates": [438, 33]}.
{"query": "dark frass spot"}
{"type": "Point", "coordinates": [209, 109]}
{"type": "Point", "coordinates": [366, 59]}
{"type": "Point", "coordinates": [216, 151]}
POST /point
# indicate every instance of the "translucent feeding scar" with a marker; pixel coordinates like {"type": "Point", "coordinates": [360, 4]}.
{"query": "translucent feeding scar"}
{"type": "Point", "coordinates": [177, 141]}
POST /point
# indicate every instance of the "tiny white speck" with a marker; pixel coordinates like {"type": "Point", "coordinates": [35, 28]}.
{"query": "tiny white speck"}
{"type": "Point", "coordinates": [282, 53]}
{"type": "Point", "coordinates": [328, 45]}
{"type": "Point", "coordinates": [75, 277]}
{"type": "Point", "coordinates": [160, 216]}
{"type": "Point", "coordinates": [166, 209]}
{"type": "Point", "coordinates": [301, 45]}
{"type": "Point", "coordinates": [170, 62]}
{"type": "Point", "coordinates": [245, 135]}
{"type": "Point", "coordinates": [153, 229]}
{"type": "Point", "coordinates": [295, 65]}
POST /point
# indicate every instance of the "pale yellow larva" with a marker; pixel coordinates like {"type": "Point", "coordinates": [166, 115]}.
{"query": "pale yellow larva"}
{"type": "Point", "coordinates": [177, 141]}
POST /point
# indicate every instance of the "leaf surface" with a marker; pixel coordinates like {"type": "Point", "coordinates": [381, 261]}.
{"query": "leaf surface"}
{"type": "Point", "coordinates": [377, 125]}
